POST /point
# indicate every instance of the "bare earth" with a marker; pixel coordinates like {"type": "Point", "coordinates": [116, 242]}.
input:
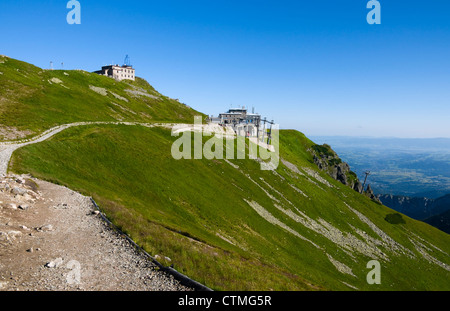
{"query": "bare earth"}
{"type": "Point", "coordinates": [51, 239]}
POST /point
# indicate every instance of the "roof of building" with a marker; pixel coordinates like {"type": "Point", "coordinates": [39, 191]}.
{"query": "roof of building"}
{"type": "Point", "coordinates": [237, 109]}
{"type": "Point", "coordinates": [126, 67]}
{"type": "Point", "coordinates": [233, 113]}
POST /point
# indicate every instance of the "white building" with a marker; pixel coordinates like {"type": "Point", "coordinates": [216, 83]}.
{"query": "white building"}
{"type": "Point", "coordinates": [118, 72]}
{"type": "Point", "coordinates": [241, 121]}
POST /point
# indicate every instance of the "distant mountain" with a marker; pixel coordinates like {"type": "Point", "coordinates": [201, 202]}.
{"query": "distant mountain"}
{"type": "Point", "coordinates": [441, 221]}
{"type": "Point", "coordinates": [443, 202]}
{"type": "Point", "coordinates": [435, 212]}
{"type": "Point", "coordinates": [417, 208]}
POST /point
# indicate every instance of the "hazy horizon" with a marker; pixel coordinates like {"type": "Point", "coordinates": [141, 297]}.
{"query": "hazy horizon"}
{"type": "Point", "coordinates": [380, 137]}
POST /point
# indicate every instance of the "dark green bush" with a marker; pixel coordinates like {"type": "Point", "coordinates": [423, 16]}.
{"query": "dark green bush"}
{"type": "Point", "coordinates": [395, 219]}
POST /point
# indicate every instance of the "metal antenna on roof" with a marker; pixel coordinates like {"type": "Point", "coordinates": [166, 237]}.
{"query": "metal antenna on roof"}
{"type": "Point", "coordinates": [127, 61]}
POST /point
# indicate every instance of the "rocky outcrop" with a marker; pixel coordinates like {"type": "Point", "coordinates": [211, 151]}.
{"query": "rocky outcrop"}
{"type": "Point", "coordinates": [327, 160]}
{"type": "Point", "coordinates": [357, 186]}
{"type": "Point", "coordinates": [369, 193]}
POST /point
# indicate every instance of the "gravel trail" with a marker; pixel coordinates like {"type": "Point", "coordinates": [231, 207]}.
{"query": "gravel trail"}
{"type": "Point", "coordinates": [51, 238]}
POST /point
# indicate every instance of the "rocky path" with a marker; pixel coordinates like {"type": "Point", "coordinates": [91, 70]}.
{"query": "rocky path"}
{"type": "Point", "coordinates": [5, 155]}
{"type": "Point", "coordinates": [52, 239]}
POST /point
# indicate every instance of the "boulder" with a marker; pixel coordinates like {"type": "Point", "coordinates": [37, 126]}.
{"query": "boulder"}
{"type": "Point", "coordinates": [6, 187]}
{"type": "Point", "coordinates": [369, 193]}
{"type": "Point", "coordinates": [45, 228]}
{"type": "Point", "coordinates": [11, 206]}
{"type": "Point", "coordinates": [3, 236]}
{"type": "Point", "coordinates": [341, 172]}
{"type": "Point", "coordinates": [18, 191]}
{"type": "Point", "coordinates": [12, 235]}
{"type": "Point", "coordinates": [3, 285]}
{"type": "Point", "coordinates": [24, 207]}
{"type": "Point", "coordinates": [357, 186]}
{"type": "Point", "coordinates": [54, 263]}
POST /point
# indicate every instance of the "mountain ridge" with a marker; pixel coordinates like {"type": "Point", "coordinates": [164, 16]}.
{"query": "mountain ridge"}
{"type": "Point", "coordinates": [440, 221]}
{"type": "Point", "coordinates": [417, 207]}
{"type": "Point", "coordinates": [432, 211]}
{"type": "Point", "coordinates": [225, 223]}
{"type": "Point", "coordinates": [34, 100]}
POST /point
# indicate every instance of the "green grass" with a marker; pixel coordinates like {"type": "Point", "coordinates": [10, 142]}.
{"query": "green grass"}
{"type": "Point", "coordinates": [194, 211]}
{"type": "Point", "coordinates": [30, 102]}
{"type": "Point", "coordinates": [324, 149]}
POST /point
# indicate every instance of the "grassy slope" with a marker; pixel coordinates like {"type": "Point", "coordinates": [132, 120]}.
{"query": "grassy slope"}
{"type": "Point", "coordinates": [30, 101]}
{"type": "Point", "coordinates": [184, 210]}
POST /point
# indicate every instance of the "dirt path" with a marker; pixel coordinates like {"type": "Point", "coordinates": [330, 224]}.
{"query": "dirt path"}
{"type": "Point", "coordinates": [51, 239]}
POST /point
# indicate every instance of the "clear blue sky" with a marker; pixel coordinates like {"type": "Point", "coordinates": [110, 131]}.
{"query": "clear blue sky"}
{"type": "Point", "coordinates": [315, 66]}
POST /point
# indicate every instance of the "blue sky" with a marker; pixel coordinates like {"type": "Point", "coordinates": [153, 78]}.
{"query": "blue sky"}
{"type": "Point", "coordinates": [314, 66]}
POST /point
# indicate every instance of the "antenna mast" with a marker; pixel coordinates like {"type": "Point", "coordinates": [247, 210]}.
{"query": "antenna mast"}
{"type": "Point", "coordinates": [127, 61]}
{"type": "Point", "coordinates": [365, 179]}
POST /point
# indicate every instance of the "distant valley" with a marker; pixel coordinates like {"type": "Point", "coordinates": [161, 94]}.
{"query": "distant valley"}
{"type": "Point", "coordinates": [411, 176]}
{"type": "Point", "coordinates": [407, 167]}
